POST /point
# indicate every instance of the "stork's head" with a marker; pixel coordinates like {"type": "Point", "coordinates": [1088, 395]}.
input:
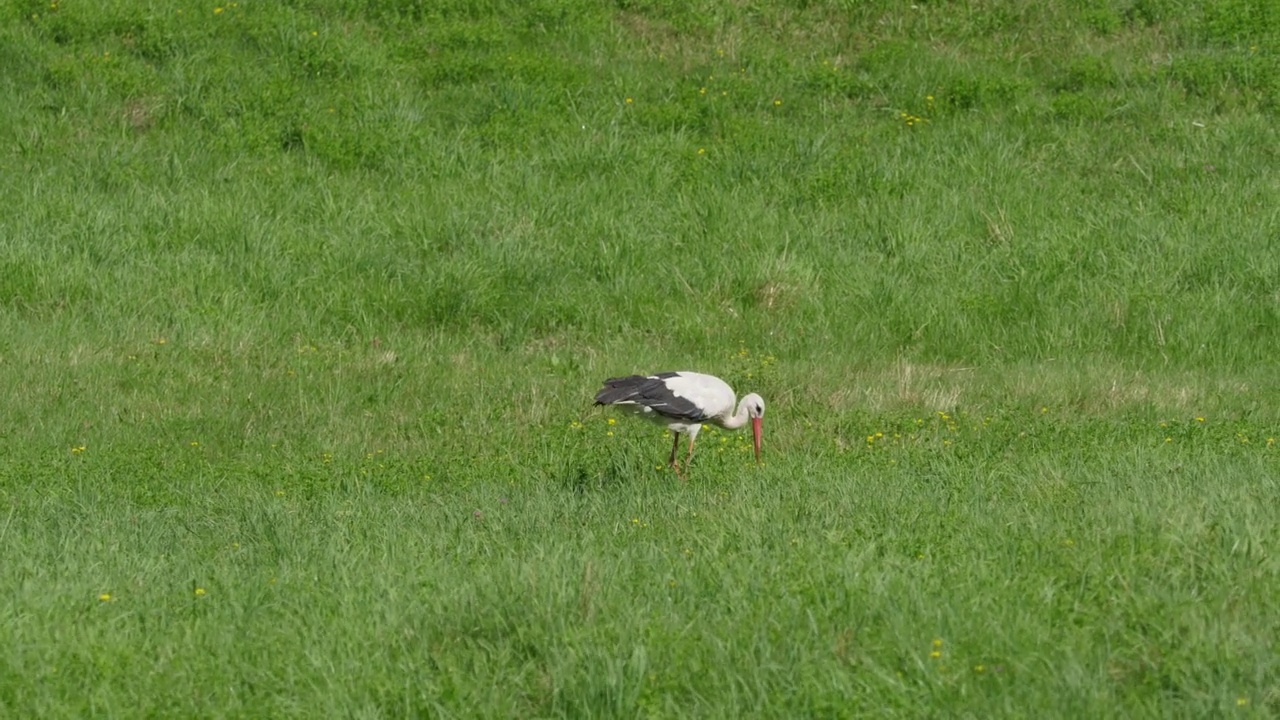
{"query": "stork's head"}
{"type": "Point", "coordinates": [755, 411]}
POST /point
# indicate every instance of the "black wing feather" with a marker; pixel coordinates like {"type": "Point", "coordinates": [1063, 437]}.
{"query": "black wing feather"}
{"type": "Point", "coordinates": [651, 392]}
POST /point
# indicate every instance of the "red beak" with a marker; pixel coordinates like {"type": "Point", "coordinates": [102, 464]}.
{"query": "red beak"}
{"type": "Point", "coordinates": [756, 432]}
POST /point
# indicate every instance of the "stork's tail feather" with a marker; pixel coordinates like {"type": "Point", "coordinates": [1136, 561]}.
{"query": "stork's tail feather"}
{"type": "Point", "coordinates": [619, 389]}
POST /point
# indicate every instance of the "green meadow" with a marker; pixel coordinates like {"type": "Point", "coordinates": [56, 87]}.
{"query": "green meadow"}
{"type": "Point", "coordinates": [304, 303]}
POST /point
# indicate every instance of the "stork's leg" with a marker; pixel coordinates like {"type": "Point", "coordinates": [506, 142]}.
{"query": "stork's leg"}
{"type": "Point", "coordinates": [688, 459]}
{"type": "Point", "coordinates": [675, 445]}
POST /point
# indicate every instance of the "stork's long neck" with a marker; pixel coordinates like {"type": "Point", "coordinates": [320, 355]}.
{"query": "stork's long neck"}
{"type": "Point", "coordinates": [738, 419]}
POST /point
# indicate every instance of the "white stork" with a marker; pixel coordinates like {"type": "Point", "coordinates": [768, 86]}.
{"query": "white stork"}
{"type": "Point", "coordinates": [683, 401]}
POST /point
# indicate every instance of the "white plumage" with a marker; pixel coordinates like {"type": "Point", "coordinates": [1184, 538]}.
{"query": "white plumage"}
{"type": "Point", "coordinates": [683, 402]}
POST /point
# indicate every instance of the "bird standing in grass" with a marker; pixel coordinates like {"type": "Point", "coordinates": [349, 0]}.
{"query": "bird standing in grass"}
{"type": "Point", "coordinates": [683, 402]}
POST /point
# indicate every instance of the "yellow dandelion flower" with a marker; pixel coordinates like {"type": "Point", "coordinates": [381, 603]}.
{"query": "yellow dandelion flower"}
{"type": "Point", "coordinates": [979, 668]}
{"type": "Point", "coordinates": [105, 597]}
{"type": "Point", "coordinates": [200, 592]}
{"type": "Point", "coordinates": [937, 642]}
{"type": "Point", "coordinates": [702, 151]}
{"type": "Point", "coordinates": [777, 103]}
{"type": "Point", "coordinates": [609, 434]}
{"type": "Point", "coordinates": [1241, 702]}
{"type": "Point", "coordinates": [1199, 419]}
{"type": "Point", "coordinates": [935, 654]}
{"type": "Point", "coordinates": [217, 11]}
{"type": "Point", "coordinates": [611, 421]}
{"type": "Point", "coordinates": [629, 101]}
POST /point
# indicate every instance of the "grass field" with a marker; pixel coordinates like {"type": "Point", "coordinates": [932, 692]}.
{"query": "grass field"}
{"type": "Point", "coordinates": [303, 306]}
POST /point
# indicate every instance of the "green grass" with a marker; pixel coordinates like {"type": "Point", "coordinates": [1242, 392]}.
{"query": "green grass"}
{"type": "Point", "coordinates": [303, 305]}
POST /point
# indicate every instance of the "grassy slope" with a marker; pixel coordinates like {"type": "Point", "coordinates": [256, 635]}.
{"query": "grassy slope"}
{"type": "Point", "coordinates": [314, 283]}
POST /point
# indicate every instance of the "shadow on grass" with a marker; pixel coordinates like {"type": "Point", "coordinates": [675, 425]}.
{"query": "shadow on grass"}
{"type": "Point", "coordinates": [602, 474]}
